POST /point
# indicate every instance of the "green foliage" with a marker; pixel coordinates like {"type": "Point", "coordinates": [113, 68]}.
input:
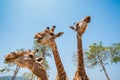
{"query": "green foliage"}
{"type": "Point", "coordinates": [96, 53]}
{"type": "Point", "coordinates": [28, 76]}
{"type": "Point", "coordinates": [3, 70]}
{"type": "Point", "coordinates": [115, 52]}
{"type": "Point", "coordinates": [43, 52]}
{"type": "Point", "coordinates": [99, 52]}
{"type": "Point", "coordinates": [6, 68]}
{"type": "Point", "coordinates": [99, 55]}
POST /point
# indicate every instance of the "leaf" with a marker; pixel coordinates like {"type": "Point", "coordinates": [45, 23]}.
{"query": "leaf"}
{"type": "Point", "coordinates": [3, 70]}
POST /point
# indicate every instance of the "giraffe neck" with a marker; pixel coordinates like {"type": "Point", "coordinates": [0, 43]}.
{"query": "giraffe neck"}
{"type": "Point", "coordinates": [60, 69]}
{"type": "Point", "coordinates": [80, 68]}
{"type": "Point", "coordinates": [38, 70]}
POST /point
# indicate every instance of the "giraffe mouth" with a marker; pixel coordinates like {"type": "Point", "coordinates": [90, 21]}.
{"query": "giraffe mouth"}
{"type": "Point", "coordinates": [38, 40]}
{"type": "Point", "coordinates": [9, 60]}
{"type": "Point", "coordinates": [87, 19]}
{"type": "Point", "coordinates": [13, 56]}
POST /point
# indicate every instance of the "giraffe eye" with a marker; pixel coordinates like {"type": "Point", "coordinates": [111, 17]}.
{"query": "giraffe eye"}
{"type": "Point", "coordinates": [77, 24]}
{"type": "Point", "coordinates": [51, 34]}
{"type": "Point", "coordinates": [31, 56]}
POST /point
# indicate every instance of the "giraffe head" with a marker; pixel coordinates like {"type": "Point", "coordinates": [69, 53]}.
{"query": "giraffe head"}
{"type": "Point", "coordinates": [47, 36]}
{"type": "Point", "coordinates": [21, 58]}
{"type": "Point", "coordinates": [81, 26]}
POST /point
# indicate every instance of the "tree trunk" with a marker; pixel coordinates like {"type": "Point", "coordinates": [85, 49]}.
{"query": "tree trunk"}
{"type": "Point", "coordinates": [32, 77]}
{"type": "Point", "coordinates": [15, 72]}
{"type": "Point", "coordinates": [103, 67]}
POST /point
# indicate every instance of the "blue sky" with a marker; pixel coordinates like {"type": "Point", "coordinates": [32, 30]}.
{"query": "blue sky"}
{"type": "Point", "coordinates": [20, 20]}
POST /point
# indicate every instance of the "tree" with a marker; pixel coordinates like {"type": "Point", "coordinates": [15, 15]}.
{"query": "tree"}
{"type": "Point", "coordinates": [15, 72]}
{"type": "Point", "coordinates": [98, 55]}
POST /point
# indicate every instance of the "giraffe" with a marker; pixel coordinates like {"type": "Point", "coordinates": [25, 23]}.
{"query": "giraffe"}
{"type": "Point", "coordinates": [80, 28]}
{"type": "Point", "coordinates": [26, 59]}
{"type": "Point", "coordinates": [48, 37]}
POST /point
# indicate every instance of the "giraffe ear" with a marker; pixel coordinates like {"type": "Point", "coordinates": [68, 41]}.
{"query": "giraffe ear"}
{"type": "Point", "coordinates": [34, 51]}
{"type": "Point", "coordinates": [59, 34]}
{"type": "Point", "coordinates": [73, 28]}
